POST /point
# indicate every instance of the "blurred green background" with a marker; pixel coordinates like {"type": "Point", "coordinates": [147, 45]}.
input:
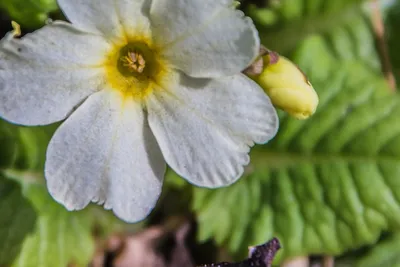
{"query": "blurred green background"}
{"type": "Point", "coordinates": [328, 186]}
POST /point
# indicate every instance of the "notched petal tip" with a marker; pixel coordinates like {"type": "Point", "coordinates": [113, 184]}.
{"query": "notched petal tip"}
{"type": "Point", "coordinates": [129, 208]}
{"type": "Point", "coordinates": [132, 210]}
{"type": "Point", "coordinates": [105, 153]}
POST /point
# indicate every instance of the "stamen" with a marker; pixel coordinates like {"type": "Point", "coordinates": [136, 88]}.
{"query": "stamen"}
{"type": "Point", "coordinates": [134, 61]}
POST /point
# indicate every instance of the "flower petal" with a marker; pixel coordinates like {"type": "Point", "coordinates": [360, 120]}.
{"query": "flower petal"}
{"type": "Point", "coordinates": [111, 18]}
{"type": "Point", "coordinates": [106, 153]}
{"type": "Point", "coordinates": [207, 38]}
{"type": "Point", "coordinates": [206, 126]}
{"type": "Point", "coordinates": [44, 75]}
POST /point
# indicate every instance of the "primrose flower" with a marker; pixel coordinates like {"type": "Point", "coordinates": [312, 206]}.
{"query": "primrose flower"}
{"type": "Point", "coordinates": [140, 83]}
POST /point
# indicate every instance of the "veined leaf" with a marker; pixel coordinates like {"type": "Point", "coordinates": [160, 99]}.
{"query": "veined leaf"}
{"type": "Point", "coordinates": [17, 220]}
{"type": "Point", "coordinates": [322, 186]}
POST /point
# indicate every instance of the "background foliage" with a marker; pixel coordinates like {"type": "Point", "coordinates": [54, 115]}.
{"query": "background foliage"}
{"type": "Point", "coordinates": [326, 186]}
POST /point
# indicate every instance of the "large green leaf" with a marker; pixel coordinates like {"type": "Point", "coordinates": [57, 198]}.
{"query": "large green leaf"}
{"type": "Point", "coordinates": [17, 220]}
{"type": "Point", "coordinates": [60, 237]}
{"type": "Point", "coordinates": [325, 185]}
{"type": "Point", "coordinates": [316, 184]}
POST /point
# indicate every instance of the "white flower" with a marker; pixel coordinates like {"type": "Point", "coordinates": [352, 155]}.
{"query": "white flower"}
{"type": "Point", "coordinates": [141, 83]}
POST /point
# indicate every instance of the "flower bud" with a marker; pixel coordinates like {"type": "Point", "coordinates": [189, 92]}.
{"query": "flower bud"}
{"type": "Point", "coordinates": [287, 86]}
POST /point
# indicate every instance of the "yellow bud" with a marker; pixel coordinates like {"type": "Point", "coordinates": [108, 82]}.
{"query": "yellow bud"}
{"type": "Point", "coordinates": [287, 86]}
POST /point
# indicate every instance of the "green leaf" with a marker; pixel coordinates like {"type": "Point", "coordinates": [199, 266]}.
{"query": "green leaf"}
{"type": "Point", "coordinates": [17, 220]}
{"type": "Point", "coordinates": [29, 13]}
{"type": "Point", "coordinates": [322, 186]}
{"type": "Point", "coordinates": [385, 253]}
{"type": "Point", "coordinates": [298, 19]}
{"type": "Point", "coordinates": [8, 144]}
{"type": "Point", "coordinates": [23, 148]}
{"type": "Point", "coordinates": [341, 23]}
{"type": "Point", "coordinates": [60, 237]}
{"type": "Point", "coordinates": [33, 143]}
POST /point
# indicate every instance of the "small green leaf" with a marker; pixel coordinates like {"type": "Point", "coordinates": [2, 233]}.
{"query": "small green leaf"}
{"type": "Point", "coordinates": [60, 237]}
{"type": "Point", "coordinates": [29, 13]}
{"type": "Point", "coordinates": [8, 144]}
{"type": "Point", "coordinates": [23, 148]}
{"type": "Point", "coordinates": [17, 220]}
{"type": "Point", "coordinates": [33, 144]}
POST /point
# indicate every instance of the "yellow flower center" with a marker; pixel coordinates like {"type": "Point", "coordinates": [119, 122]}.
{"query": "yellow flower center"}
{"type": "Point", "coordinates": [135, 69]}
